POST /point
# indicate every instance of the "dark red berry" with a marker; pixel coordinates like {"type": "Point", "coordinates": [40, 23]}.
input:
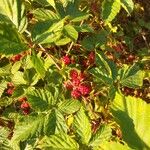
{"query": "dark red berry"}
{"type": "Point", "coordinates": [66, 59]}
{"type": "Point", "coordinates": [84, 89]}
{"type": "Point", "coordinates": [91, 57]}
{"type": "Point", "coordinates": [26, 111]}
{"type": "Point", "coordinates": [68, 85]}
{"type": "Point", "coordinates": [128, 91]}
{"type": "Point", "coordinates": [73, 74]}
{"type": "Point", "coordinates": [75, 94]}
{"type": "Point", "coordinates": [81, 76]}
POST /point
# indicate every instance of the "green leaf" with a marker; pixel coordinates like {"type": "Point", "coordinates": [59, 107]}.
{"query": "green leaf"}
{"type": "Point", "coordinates": [15, 10]}
{"type": "Point", "coordinates": [58, 142]}
{"type": "Point", "coordinates": [71, 32]}
{"type": "Point", "coordinates": [106, 70]}
{"type": "Point", "coordinates": [47, 32]}
{"type": "Point", "coordinates": [61, 125]}
{"type": "Point", "coordinates": [38, 64]}
{"type": "Point", "coordinates": [44, 14]}
{"type": "Point", "coordinates": [82, 126]}
{"type": "Point", "coordinates": [15, 67]}
{"type": "Point", "coordinates": [69, 106]}
{"type": "Point", "coordinates": [4, 142]}
{"type": "Point", "coordinates": [128, 5]}
{"type": "Point", "coordinates": [11, 42]}
{"type": "Point", "coordinates": [63, 41]}
{"type": "Point", "coordinates": [5, 70]}
{"type": "Point", "coordinates": [133, 115]}
{"type": "Point", "coordinates": [31, 76]}
{"type": "Point", "coordinates": [41, 100]}
{"type": "Point", "coordinates": [33, 126]}
{"type": "Point", "coordinates": [46, 2]}
{"type": "Point", "coordinates": [3, 86]}
{"type": "Point", "coordinates": [95, 40]}
{"type": "Point", "coordinates": [114, 145]}
{"type": "Point", "coordinates": [18, 78]}
{"type": "Point", "coordinates": [132, 76]}
{"type": "Point", "coordinates": [50, 123]}
{"type": "Point", "coordinates": [73, 11]}
{"type": "Point", "coordinates": [110, 8]}
{"type": "Point", "coordinates": [84, 28]}
{"type": "Point", "coordinates": [103, 134]}
{"type": "Point", "coordinates": [19, 91]}
{"type": "Point", "coordinates": [79, 17]}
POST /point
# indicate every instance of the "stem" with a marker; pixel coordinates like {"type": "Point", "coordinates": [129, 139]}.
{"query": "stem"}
{"type": "Point", "coordinates": [49, 56]}
{"type": "Point", "coordinates": [73, 42]}
{"type": "Point", "coordinates": [146, 43]}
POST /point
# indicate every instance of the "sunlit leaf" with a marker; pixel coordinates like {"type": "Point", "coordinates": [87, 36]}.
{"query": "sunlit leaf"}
{"type": "Point", "coordinates": [133, 115]}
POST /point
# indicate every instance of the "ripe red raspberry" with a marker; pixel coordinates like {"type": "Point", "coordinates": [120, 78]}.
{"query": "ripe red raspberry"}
{"type": "Point", "coordinates": [68, 85]}
{"type": "Point", "coordinates": [76, 82]}
{"type": "Point", "coordinates": [73, 74]}
{"type": "Point", "coordinates": [10, 91]}
{"type": "Point", "coordinates": [75, 94]}
{"type": "Point", "coordinates": [66, 59]}
{"type": "Point", "coordinates": [16, 58]}
{"type": "Point", "coordinates": [22, 99]}
{"type": "Point", "coordinates": [25, 105]}
{"type": "Point", "coordinates": [84, 89]}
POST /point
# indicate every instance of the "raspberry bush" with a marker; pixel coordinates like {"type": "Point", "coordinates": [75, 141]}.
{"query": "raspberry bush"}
{"type": "Point", "coordinates": [74, 75]}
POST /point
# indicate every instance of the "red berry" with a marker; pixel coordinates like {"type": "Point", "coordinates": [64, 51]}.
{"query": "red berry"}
{"type": "Point", "coordinates": [75, 94]}
{"type": "Point", "coordinates": [68, 85]}
{"type": "Point", "coordinates": [130, 58]}
{"type": "Point", "coordinates": [25, 105]}
{"type": "Point", "coordinates": [76, 82]}
{"type": "Point", "coordinates": [26, 111]}
{"type": "Point", "coordinates": [84, 89]}
{"type": "Point", "coordinates": [22, 99]}
{"type": "Point", "coordinates": [66, 59]}
{"type": "Point", "coordinates": [73, 74]}
{"type": "Point", "coordinates": [16, 58]}
{"type": "Point", "coordinates": [10, 91]}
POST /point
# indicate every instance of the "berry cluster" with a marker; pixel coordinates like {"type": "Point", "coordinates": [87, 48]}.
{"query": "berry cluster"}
{"type": "Point", "coordinates": [77, 84]}
{"type": "Point", "coordinates": [24, 105]}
